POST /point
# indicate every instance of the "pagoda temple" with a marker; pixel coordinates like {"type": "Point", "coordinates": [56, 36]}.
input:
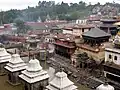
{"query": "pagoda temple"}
{"type": "Point", "coordinates": [14, 68]}
{"type": "Point", "coordinates": [94, 42]}
{"type": "Point", "coordinates": [34, 77]}
{"type": "Point", "coordinates": [61, 82]}
{"type": "Point", "coordinates": [4, 59]}
{"type": "Point", "coordinates": [108, 26]}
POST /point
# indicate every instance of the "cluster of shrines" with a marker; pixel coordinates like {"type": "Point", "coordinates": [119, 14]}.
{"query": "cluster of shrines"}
{"type": "Point", "coordinates": [101, 42]}
{"type": "Point", "coordinates": [33, 77]}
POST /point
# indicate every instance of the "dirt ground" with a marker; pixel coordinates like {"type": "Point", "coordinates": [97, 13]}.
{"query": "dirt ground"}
{"type": "Point", "coordinates": [4, 85]}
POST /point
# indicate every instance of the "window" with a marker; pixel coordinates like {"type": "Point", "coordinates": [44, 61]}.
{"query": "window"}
{"type": "Point", "coordinates": [82, 30]}
{"type": "Point", "coordinates": [110, 56]}
{"type": "Point", "coordinates": [115, 58]}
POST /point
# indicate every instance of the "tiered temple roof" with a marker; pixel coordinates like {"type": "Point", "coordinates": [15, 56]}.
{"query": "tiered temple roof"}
{"type": "Point", "coordinates": [34, 72]}
{"type": "Point", "coordinates": [61, 82]}
{"type": "Point", "coordinates": [4, 56]}
{"type": "Point", "coordinates": [96, 33]}
{"type": "Point", "coordinates": [16, 64]}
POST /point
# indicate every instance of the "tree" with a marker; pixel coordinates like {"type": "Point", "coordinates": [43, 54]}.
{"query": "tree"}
{"type": "Point", "coordinates": [21, 27]}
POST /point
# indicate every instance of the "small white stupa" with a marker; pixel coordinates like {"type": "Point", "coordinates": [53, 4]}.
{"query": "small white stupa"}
{"type": "Point", "coordinates": [105, 86]}
{"type": "Point", "coordinates": [4, 59]}
{"type": "Point", "coordinates": [4, 56]}
{"type": "Point", "coordinates": [61, 82]}
{"type": "Point", "coordinates": [14, 68]}
{"type": "Point", "coordinates": [34, 77]}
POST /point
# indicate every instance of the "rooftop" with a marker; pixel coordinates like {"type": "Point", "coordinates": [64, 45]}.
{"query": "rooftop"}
{"type": "Point", "coordinates": [65, 37]}
{"type": "Point", "coordinates": [96, 33]}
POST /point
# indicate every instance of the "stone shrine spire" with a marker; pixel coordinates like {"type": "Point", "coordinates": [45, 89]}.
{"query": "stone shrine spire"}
{"type": "Point", "coordinates": [34, 77]}
{"type": "Point", "coordinates": [14, 68]}
{"type": "Point", "coordinates": [15, 64]}
{"type": "Point", "coordinates": [4, 56]}
{"type": "Point", "coordinates": [4, 59]}
{"type": "Point", "coordinates": [61, 82]}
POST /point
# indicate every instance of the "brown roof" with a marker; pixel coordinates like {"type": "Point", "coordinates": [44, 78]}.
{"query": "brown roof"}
{"type": "Point", "coordinates": [84, 26]}
{"type": "Point", "coordinates": [37, 32]}
{"type": "Point", "coordinates": [67, 46]}
{"type": "Point", "coordinates": [66, 37]}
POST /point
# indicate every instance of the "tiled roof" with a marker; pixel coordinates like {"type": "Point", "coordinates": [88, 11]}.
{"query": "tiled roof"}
{"type": "Point", "coordinates": [66, 37]}
{"type": "Point", "coordinates": [36, 32]}
{"type": "Point", "coordinates": [95, 33]}
{"type": "Point", "coordinates": [42, 26]}
{"type": "Point", "coordinates": [79, 26]}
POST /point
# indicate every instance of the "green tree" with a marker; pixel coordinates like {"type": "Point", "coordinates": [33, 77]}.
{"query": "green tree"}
{"type": "Point", "coordinates": [21, 27]}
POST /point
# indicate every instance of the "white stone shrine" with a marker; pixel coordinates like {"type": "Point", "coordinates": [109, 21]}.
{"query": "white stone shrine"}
{"type": "Point", "coordinates": [4, 59]}
{"type": "Point", "coordinates": [105, 87]}
{"type": "Point", "coordinates": [14, 68]}
{"type": "Point", "coordinates": [61, 82]}
{"type": "Point", "coordinates": [34, 77]}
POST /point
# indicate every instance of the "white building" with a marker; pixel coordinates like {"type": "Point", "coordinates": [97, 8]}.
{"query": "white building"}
{"type": "Point", "coordinates": [14, 68]}
{"type": "Point", "coordinates": [61, 82]}
{"type": "Point", "coordinates": [112, 61]}
{"type": "Point", "coordinates": [4, 59]}
{"type": "Point", "coordinates": [34, 77]}
{"type": "Point", "coordinates": [77, 29]}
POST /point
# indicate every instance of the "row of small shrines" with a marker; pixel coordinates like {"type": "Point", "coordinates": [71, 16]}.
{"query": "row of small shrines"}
{"type": "Point", "coordinates": [33, 77]}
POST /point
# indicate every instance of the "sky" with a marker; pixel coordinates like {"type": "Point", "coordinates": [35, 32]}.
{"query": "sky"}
{"type": "Point", "coordinates": [22, 4]}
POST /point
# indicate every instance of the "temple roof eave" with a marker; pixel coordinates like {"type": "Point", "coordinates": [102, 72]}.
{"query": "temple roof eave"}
{"type": "Point", "coordinates": [35, 79]}
{"type": "Point", "coordinates": [15, 69]}
{"type": "Point", "coordinates": [5, 60]}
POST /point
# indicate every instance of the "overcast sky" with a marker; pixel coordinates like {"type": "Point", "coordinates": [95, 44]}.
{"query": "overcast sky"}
{"type": "Point", "coordinates": [21, 4]}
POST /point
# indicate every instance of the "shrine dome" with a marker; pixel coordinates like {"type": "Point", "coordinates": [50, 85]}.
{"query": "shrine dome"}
{"type": "Point", "coordinates": [105, 87]}
{"type": "Point", "coordinates": [34, 66]}
{"type": "Point", "coordinates": [16, 59]}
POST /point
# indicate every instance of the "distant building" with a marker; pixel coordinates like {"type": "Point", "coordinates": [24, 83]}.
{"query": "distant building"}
{"type": "Point", "coordinates": [108, 26]}
{"type": "Point", "coordinates": [32, 42]}
{"type": "Point", "coordinates": [65, 44]}
{"type": "Point", "coordinates": [77, 29]}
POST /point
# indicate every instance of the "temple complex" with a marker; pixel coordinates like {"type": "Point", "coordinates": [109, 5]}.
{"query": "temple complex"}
{"type": "Point", "coordinates": [14, 68]}
{"type": "Point", "coordinates": [93, 43]}
{"type": "Point", "coordinates": [108, 26]}
{"type": "Point", "coordinates": [61, 82]}
{"type": "Point", "coordinates": [34, 77]}
{"type": "Point", "coordinates": [4, 59]}
{"type": "Point", "coordinates": [112, 61]}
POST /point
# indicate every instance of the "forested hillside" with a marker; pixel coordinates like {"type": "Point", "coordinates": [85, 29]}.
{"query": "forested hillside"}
{"type": "Point", "coordinates": [62, 11]}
